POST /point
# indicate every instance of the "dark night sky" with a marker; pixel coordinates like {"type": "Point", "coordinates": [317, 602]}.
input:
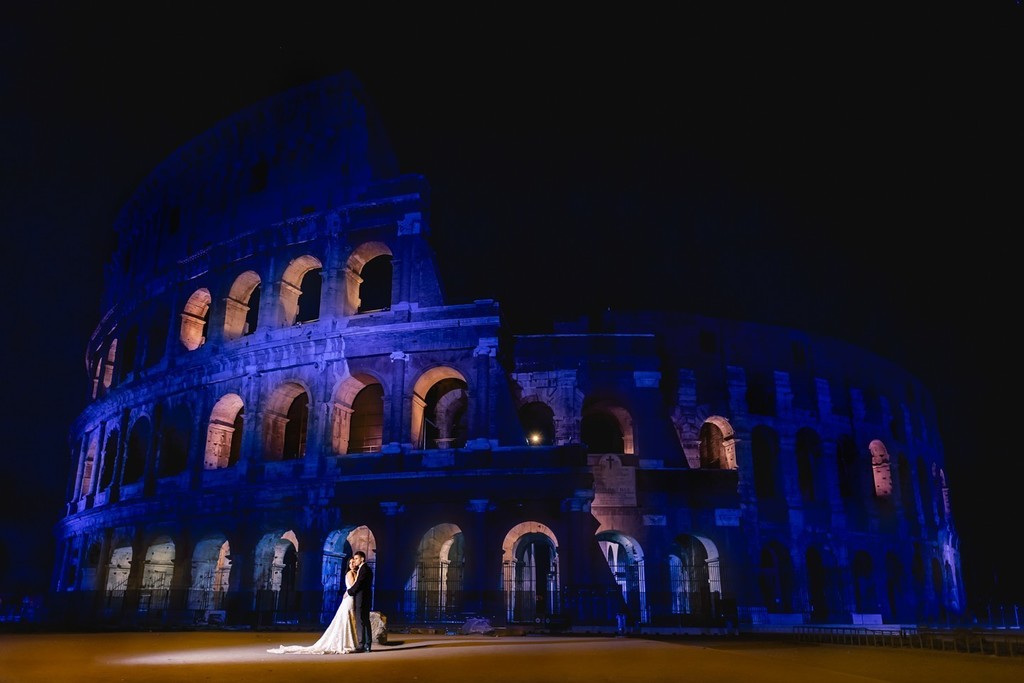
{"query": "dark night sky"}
{"type": "Point", "coordinates": [854, 175]}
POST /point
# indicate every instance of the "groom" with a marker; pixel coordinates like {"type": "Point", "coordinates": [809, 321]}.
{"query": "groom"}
{"type": "Point", "coordinates": [362, 595]}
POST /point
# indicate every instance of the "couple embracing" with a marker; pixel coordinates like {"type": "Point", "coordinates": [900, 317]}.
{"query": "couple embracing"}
{"type": "Point", "coordinates": [349, 631]}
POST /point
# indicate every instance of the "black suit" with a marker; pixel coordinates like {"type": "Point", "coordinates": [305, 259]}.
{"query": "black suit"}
{"type": "Point", "coordinates": [362, 595]}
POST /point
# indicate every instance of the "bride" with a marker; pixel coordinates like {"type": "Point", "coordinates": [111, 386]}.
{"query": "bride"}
{"type": "Point", "coordinates": [340, 636]}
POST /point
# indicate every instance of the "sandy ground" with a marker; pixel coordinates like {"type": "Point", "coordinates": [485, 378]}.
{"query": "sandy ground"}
{"type": "Point", "coordinates": [241, 656]}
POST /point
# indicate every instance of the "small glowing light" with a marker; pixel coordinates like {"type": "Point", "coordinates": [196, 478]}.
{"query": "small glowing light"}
{"type": "Point", "coordinates": [534, 438]}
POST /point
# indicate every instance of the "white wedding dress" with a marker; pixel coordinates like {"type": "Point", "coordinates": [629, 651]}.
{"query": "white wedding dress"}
{"type": "Point", "coordinates": [340, 636]}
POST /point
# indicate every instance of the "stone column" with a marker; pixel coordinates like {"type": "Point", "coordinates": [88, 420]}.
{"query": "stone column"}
{"type": "Point", "coordinates": [239, 601]}
{"type": "Point", "coordinates": [389, 584]}
{"type": "Point", "coordinates": [398, 418]}
{"type": "Point", "coordinates": [480, 394]}
{"type": "Point", "coordinates": [478, 558]}
{"type": "Point", "coordinates": [181, 577]}
{"type": "Point", "coordinates": [309, 582]}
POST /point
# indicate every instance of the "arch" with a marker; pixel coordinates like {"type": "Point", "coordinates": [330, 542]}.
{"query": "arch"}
{"type": "Point", "coordinates": [139, 437]}
{"type": "Point", "coordinates": [211, 573]}
{"type": "Point", "coordinates": [110, 449]}
{"type": "Point", "coordinates": [357, 415]}
{"type": "Point", "coordinates": [848, 468]}
{"type": "Point", "coordinates": [157, 571]}
{"type": "Point", "coordinates": [275, 562]}
{"type": "Point", "coordinates": [294, 286]}
{"type": "Point", "coordinates": [530, 573]}
{"type": "Point", "coordinates": [695, 581]}
{"type": "Point", "coordinates": [764, 443]}
{"type": "Point", "coordinates": [823, 585]}
{"type": "Point", "coordinates": [880, 469]}
{"type": "Point", "coordinates": [175, 436]}
{"type": "Point", "coordinates": [194, 319]}
{"type": "Point", "coordinates": [625, 559]}
{"type": "Point", "coordinates": [434, 590]}
{"type": "Point", "coordinates": [776, 578]}
{"type": "Point", "coordinates": [538, 422]}
{"type": "Point", "coordinates": [429, 390]}
{"type": "Point", "coordinates": [808, 464]}
{"type": "Point", "coordinates": [865, 596]}
{"type": "Point", "coordinates": [606, 427]}
{"type": "Point", "coordinates": [119, 568]}
{"type": "Point", "coordinates": [717, 444]}
{"type": "Point", "coordinates": [156, 334]}
{"type": "Point", "coordinates": [224, 433]}
{"type": "Point", "coordinates": [908, 498]}
{"type": "Point", "coordinates": [241, 307]}
{"type": "Point", "coordinates": [109, 364]}
{"type": "Point", "coordinates": [286, 422]}
{"type": "Point", "coordinates": [354, 268]}
{"type": "Point", "coordinates": [375, 288]}
{"type": "Point", "coordinates": [90, 458]}
{"type": "Point", "coordinates": [339, 546]}
{"type": "Point", "coordinates": [127, 353]}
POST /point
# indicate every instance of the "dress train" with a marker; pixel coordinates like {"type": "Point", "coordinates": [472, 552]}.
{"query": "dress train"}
{"type": "Point", "coordinates": [339, 638]}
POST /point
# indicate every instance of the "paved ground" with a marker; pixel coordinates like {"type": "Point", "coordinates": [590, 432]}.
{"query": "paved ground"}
{"type": "Point", "coordinates": [241, 656]}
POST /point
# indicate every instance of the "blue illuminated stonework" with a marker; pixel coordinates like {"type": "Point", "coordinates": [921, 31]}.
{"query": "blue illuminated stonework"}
{"type": "Point", "coordinates": [278, 381]}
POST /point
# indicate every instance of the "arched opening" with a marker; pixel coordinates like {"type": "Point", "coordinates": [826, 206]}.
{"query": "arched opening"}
{"type": "Point", "coordinates": [176, 432]}
{"type": "Point", "coordinates": [194, 319]}
{"type": "Point", "coordinates": [339, 547]}
{"type": "Point", "coordinates": [109, 459]}
{"type": "Point", "coordinates": [880, 469]}
{"type": "Point", "coordinates": [286, 422]}
{"type": "Point", "coordinates": [808, 463]}
{"type": "Point", "coordinates": [357, 415]}
{"type": "Point", "coordinates": [717, 444]}
{"type": "Point", "coordinates": [275, 573]}
{"type": "Point", "coordinates": [601, 432]}
{"type": "Point", "coordinates": [823, 582]}
{"type": "Point", "coordinates": [530, 573]}
{"type": "Point", "coordinates": [126, 354]}
{"type": "Point", "coordinates": [224, 433]}
{"type": "Point", "coordinates": [626, 561]}
{"type": "Point", "coordinates": [368, 288]}
{"type": "Point", "coordinates": [367, 433]}
{"type": "Point", "coordinates": [156, 575]}
{"type": "Point", "coordinates": [538, 421]}
{"type": "Point", "coordinates": [108, 365]}
{"type": "Point", "coordinates": [242, 306]}
{"type": "Point", "coordinates": [695, 584]}
{"type": "Point", "coordinates": [309, 297]}
{"type": "Point", "coordinates": [767, 469]}
{"type": "Point", "coordinates": [211, 573]}
{"type": "Point", "coordinates": [865, 596]}
{"type": "Point", "coordinates": [434, 590]}
{"type": "Point", "coordinates": [138, 446]}
{"type": "Point", "coordinates": [117, 573]}
{"type": "Point", "coordinates": [849, 472]}
{"type": "Point", "coordinates": [156, 335]}
{"type": "Point", "coordinates": [440, 409]}
{"type": "Point", "coordinates": [375, 289]}
{"type": "Point", "coordinates": [776, 578]}
{"type": "Point", "coordinates": [299, 295]}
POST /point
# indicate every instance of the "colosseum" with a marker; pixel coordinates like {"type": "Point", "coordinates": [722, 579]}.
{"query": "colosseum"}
{"type": "Point", "coordinates": [278, 381]}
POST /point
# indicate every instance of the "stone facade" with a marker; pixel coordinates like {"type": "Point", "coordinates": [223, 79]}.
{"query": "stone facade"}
{"type": "Point", "coordinates": [278, 382]}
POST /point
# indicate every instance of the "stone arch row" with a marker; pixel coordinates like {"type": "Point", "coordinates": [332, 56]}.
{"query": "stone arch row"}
{"type": "Point", "coordinates": [862, 582]}
{"type": "Point", "coordinates": [366, 287]}
{"type": "Point", "coordinates": [921, 490]}
{"type": "Point", "coordinates": [162, 438]}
